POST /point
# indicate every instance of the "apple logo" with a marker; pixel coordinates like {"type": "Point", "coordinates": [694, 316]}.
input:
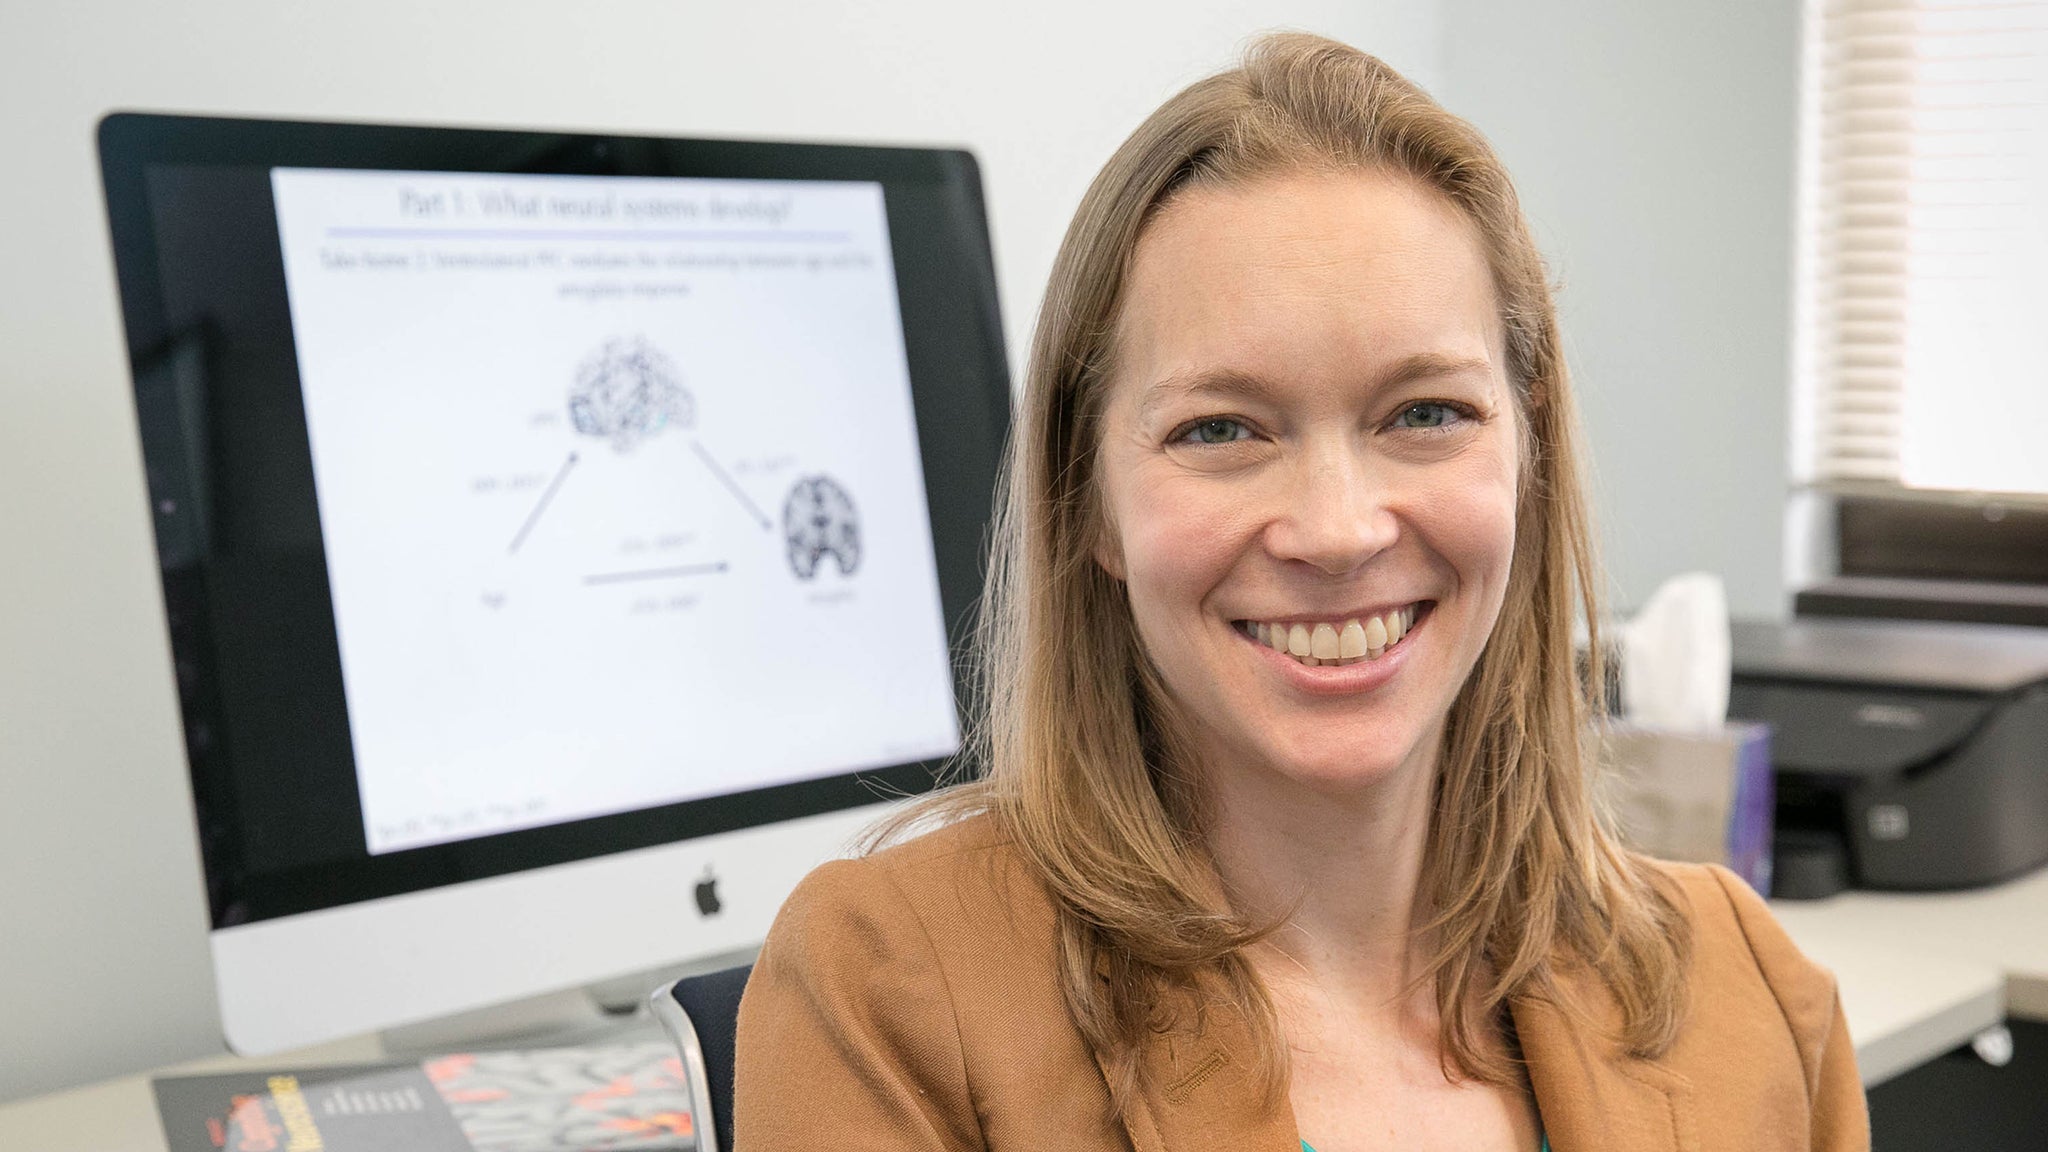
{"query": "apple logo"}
{"type": "Point", "coordinates": [707, 894]}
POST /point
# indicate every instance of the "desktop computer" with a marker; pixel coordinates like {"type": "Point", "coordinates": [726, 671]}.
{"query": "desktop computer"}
{"type": "Point", "coordinates": [566, 540]}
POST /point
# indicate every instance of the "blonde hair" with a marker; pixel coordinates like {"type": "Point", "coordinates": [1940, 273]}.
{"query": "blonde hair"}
{"type": "Point", "coordinates": [1080, 764]}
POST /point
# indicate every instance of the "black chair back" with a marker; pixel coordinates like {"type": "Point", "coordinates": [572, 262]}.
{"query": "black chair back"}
{"type": "Point", "coordinates": [711, 1005]}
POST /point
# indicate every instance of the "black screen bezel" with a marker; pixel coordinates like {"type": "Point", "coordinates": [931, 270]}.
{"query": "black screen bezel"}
{"type": "Point", "coordinates": [960, 393]}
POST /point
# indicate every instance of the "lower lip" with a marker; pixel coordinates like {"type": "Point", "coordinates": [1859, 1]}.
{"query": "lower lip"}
{"type": "Point", "coordinates": [1343, 679]}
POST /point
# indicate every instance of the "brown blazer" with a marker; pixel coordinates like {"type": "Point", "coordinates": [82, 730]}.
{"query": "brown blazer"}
{"type": "Point", "coordinates": [910, 1000]}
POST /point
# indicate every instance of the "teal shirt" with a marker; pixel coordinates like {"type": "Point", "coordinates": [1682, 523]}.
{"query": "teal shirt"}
{"type": "Point", "coordinates": [1305, 1146]}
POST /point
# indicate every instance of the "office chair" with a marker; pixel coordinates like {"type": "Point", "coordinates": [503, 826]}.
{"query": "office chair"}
{"type": "Point", "coordinates": [701, 1014]}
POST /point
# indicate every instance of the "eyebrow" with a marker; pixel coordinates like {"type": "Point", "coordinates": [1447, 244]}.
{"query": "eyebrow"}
{"type": "Point", "coordinates": [1235, 384]}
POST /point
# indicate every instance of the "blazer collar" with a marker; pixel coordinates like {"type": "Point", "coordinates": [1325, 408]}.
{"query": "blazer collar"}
{"type": "Point", "coordinates": [1593, 1095]}
{"type": "Point", "coordinates": [1200, 1090]}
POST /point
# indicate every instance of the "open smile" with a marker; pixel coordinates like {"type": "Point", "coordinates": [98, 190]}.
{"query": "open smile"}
{"type": "Point", "coordinates": [1333, 643]}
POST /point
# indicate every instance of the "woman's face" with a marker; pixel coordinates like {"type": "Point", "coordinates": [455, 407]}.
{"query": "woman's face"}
{"type": "Point", "coordinates": [1308, 469]}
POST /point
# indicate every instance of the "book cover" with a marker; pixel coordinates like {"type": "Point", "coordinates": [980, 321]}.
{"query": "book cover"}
{"type": "Point", "coordinates": [624, 1098]}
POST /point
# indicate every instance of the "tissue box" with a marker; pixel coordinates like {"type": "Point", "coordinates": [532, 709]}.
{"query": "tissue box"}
{"type": "Point", "coordinates": [1704, 797]}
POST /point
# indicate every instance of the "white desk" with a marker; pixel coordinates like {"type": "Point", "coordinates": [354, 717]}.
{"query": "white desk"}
{"type": "Point", "coordinates": [1919, 976]}
{"type": "Point", "coordinates": [2005, 927]}
{"type": "Point", "coordinates": [1904, 1007]}
{"type": "Point", "coordinates": [120, 1115]}
{"type": "Point", "coordinates": [1923, 972]}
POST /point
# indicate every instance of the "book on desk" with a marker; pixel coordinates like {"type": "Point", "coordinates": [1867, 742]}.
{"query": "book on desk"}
{"type": "Point", "coordinates": [620, 1098]}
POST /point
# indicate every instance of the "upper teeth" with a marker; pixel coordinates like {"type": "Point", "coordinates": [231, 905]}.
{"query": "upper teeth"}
{"type": "Point", "coordinates": [1340, 642]}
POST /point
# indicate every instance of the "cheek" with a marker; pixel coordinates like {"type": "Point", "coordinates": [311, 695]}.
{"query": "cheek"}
{"type": "Point", "coordinates": [1473, 523]}
{"type": "Point", "coordinates": [1176, 545]}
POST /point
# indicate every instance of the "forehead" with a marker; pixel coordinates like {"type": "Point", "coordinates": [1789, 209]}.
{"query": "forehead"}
{"type": "Point", "coordinates": [1306, 277]}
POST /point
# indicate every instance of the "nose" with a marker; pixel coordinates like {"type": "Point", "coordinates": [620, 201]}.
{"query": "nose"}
{"type": "Point", "coordinates": [1335, 512]}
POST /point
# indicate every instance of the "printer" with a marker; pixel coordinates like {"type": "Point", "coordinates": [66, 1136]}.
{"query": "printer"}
{"type": "Point", "coordinates": [1908, 754]}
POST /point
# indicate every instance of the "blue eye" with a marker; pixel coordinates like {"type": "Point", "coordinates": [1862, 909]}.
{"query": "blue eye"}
{"type": "Point", "coordinates": [1428, 414]}
{"type": "Point", "coordinates": [1215, 430]}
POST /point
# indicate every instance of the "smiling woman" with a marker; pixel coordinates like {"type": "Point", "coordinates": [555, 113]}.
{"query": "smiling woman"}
{"type": "Point", "coordinates": [1366, 487]}
{"type": "Point", "coordinates": [1284, 825]}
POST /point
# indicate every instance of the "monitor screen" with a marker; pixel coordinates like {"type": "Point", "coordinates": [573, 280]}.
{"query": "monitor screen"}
{"type": "Point", "coordinates": [537, 505]}
{"type": "Point", "coordinates": [617, 477]}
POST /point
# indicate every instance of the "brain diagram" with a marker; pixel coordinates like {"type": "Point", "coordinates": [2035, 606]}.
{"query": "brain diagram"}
{"type": "Point", "coordinates": [627, 391]}
{"type": "Point", "coordinates": [818, 520]}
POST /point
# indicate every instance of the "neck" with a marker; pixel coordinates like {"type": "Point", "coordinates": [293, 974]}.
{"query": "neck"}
{"type": "Point", "coordinates": [1339, 870]}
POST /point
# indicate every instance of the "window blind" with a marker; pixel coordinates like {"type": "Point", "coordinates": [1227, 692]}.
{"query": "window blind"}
{"type": "Point", "coordinates": [1921, 335]}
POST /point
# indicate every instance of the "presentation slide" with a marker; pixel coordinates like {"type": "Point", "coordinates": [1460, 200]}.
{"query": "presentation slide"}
{"type": "Point", "coordinates": [620, 490]}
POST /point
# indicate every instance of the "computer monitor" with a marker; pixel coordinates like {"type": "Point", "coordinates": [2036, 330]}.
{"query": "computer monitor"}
{"type": "Point", "coordinates": [566, 540]}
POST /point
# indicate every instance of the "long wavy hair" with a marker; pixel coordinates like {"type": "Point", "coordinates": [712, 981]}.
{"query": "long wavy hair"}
{"type": "Point", "coordinates": [1076, 754]}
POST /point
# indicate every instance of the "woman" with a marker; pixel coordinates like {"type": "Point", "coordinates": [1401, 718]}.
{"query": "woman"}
{"type": "Point", "coordinates": [1284, 838]}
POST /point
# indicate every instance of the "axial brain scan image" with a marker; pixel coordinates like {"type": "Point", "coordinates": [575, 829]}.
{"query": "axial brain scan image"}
{"type": "Point", "coordinates": [627, 392]}
{"type": "Point", "coordinates": [818, 520]}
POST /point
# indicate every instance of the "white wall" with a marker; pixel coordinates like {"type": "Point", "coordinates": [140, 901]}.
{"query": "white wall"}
{"type": "Point", "coordinates": [1653, 144]}
{"type": "Point", "coordinates": [103, 966]}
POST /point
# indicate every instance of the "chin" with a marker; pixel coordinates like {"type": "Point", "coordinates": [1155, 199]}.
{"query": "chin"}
{"type": "Point", "coordinates": [1325, 770]}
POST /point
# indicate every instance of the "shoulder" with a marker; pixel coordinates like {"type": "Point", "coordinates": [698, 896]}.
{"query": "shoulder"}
{"type": "Point", "coordinates": [1761, 1057]}
{"type": "Point", "coordinates": [916, 991]}
{"type": "Point", "coordinates": [1732, 925]}
{"type": "Point", "coordinates": [1747, 974]}
{"type": "Point", "coordinates": [850, 1019]}
{"type": "Point", "coordinates": [952, 917]}
{"type": "Point", "coordinates": [966, 872]}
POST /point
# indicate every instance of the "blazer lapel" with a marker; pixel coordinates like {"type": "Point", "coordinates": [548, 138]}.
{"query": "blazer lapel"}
{"type": "Point", "coordinates": [1198, 1090]}
{"type": "Point", "coordinates": [1592, 1095]}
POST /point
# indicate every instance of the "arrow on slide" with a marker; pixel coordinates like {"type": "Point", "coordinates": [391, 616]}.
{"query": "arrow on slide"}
{"type": "Point", "coordinates": [655, 573]}
{"type": "Point", "coordinates": [546, 497]}
{"type": "Point", "coordinates": [732, 486]}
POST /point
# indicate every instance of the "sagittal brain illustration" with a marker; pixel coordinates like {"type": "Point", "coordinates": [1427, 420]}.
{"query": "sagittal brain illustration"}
{"type": "Point", "coordinates": [628, 391]}
{"type": "Point", "coordinates": [819, 521]}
